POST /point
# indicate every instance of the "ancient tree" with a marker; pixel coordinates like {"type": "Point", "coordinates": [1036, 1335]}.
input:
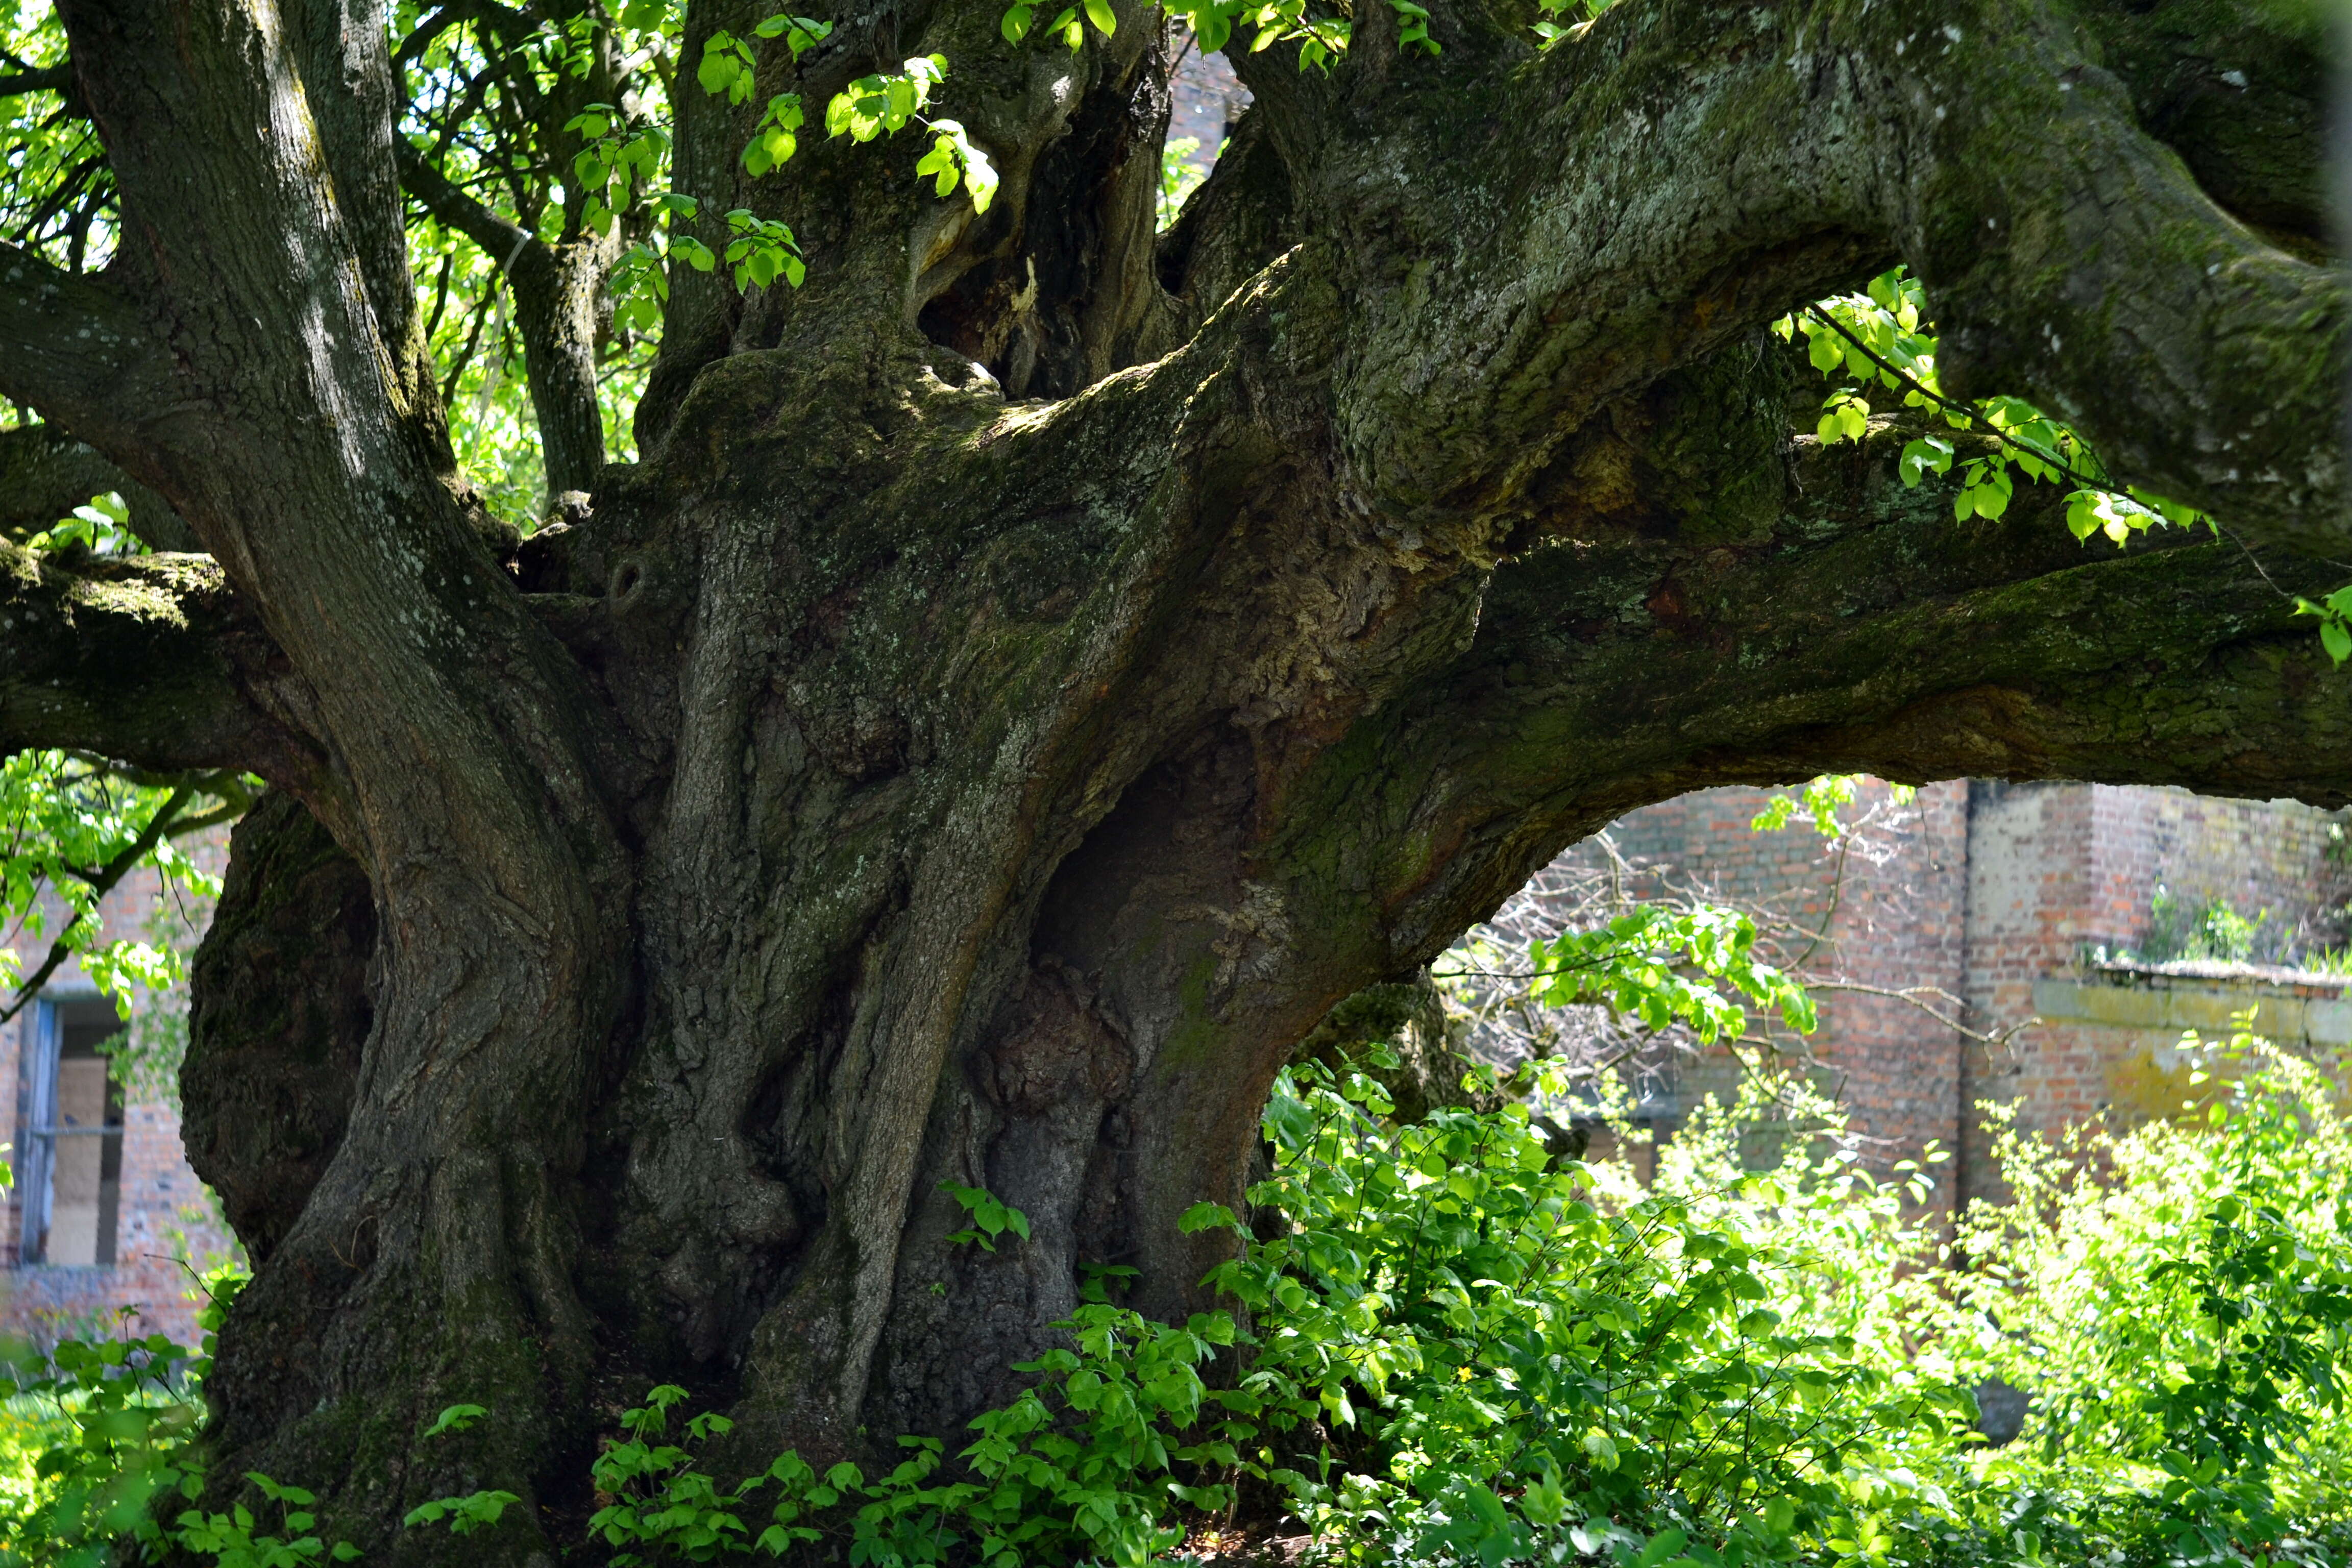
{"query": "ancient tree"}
{"type": "Point", "coordinates": [1035, 669]}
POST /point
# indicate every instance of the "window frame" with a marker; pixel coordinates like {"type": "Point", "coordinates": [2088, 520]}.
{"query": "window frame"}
{"type": "Point", "coordinates": [43, 1043]}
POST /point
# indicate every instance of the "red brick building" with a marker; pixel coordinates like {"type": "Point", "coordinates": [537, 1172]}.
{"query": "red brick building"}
{"type": "Point", "coordinates": [104, 1213]}
{"type": "Point", "coordinates": [2020, 902]}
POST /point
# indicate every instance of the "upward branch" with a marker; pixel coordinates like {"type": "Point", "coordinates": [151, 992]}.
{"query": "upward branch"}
{"type": "Point", "coordinates": [555, 288]}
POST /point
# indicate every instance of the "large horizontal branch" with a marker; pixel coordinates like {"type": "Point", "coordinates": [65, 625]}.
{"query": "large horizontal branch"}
{"type": "Point", "coordinates": [1527, 238]}
{"type": "Point", "coordinates": [1868, 633]}
{"type": "Point", "coordinates": [150, 660]}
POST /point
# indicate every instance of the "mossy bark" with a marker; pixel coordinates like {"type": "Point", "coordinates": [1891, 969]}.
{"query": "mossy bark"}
{"type": "Point", "coordinates": [895, 779]}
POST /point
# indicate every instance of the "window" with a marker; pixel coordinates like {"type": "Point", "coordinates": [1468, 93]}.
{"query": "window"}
{"type": "Point", "coordinates": [72, 1174]}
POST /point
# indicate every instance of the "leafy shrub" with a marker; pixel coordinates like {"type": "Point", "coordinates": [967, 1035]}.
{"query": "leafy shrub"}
{"type": "Point", "coordinates": [102, 1432]}
{"type": "Point", "coordinates": [1514, 1368]}
{"type": "Point", "coordinates": [1460, 1349]}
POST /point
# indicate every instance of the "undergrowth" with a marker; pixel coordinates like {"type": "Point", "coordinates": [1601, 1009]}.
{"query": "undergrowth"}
{"type": "Point", "coordinates": [1456, 1348]}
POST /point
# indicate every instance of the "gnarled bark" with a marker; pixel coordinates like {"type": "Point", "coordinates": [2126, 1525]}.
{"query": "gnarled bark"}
{"type": "Point", "coordinates": [891, 782]}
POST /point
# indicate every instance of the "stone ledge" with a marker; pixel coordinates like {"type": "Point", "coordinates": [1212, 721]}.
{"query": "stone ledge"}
{"type": "Point", "coordinates": [2297, 1008]}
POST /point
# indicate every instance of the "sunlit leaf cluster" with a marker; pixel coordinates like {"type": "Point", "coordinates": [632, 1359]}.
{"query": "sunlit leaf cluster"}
{"type": "Point", "coordinates": [56, 193]}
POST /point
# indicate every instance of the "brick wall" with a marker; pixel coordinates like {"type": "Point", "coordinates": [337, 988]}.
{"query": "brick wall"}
{"type": "Point", "coordinates": [2055, 869]}
{"type": "Point", "coordinates": [164, 1225]}
{"type": "Point", "coordinates": [1988, 895]}
{"type": "Point", "coordinates": [1886, 913]}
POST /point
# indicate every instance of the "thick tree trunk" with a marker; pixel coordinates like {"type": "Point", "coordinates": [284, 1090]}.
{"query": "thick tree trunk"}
{"type": "Point", "coordinates": [1032, 678]}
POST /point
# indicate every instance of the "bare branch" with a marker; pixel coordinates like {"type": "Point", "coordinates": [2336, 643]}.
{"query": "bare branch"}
{"type": "Point", "coordinates": [54, 78]}
{"type": "Point", "coordinates": [1937, 1003]}
{"type": "Point", "coordinates": [554, 289]}
{"type": "Point", "coordinates": [500, 239]}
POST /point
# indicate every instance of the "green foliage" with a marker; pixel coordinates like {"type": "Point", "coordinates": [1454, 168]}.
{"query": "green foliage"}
{"type": "Point", "coordinates": [58, 199]}
{"type": "Point", "coordinates": [1573, 14]}
{"type": "Point", "coordinates": [760, 251]}
{"type": "Point", "coordinates": [1667, 966]}
{"type": "Point", "coordinates": [1820, 800]}
{"type": "Point", "coordinates": [1077, 1467]}
{"type": "Point", "coordinates": [2209, 929]}
{"type": "Point", "coordinates": [559, 126]}
{"type": "Point", "coordinates": [103, 1435]}
{"type": "Point", "coordinates": [1463, 1349]}
{"type": "Point", "coordinates": [2184, 1325]}
{"type": "Point", "coordinates": [1514, 1368]}
{"type": "Point", "coordinates": [1179, 176]}
{"type": "Point", "coordinates": [2335, 613]}
{"type": "Point", "coordinates": [101, 527]}
{"type": "Point", "coordinates": [99, 1439]}
{"type": "Point", "coordinates": [75, 826]}
{"type": "Point", "coordinates": [1881, 338]}
{"type": "Point", "coordinates": [990, 1217]}
{"type": "Point", "coordinates": [231, 1541]}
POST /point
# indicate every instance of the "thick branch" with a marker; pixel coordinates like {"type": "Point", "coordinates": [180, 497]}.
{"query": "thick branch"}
{"type": "Point", "coordinates": [296, 442]}
{"type": "Point", "coordinates": [1679, 171]}
{"type": "Point", "coordinates": [555, 289]}
{"type": "Point", "coordinates": [71, 346]}
{"type": "Point", "coordinates": [54, 78]}
{"type": "Point", "coordinates": [1873, 634]}
{"type": "Point", "coordinates": [344, 52]}
{"type": "Point", "coordinates": [2241, 93]}
{"type": "Point", "coordinates": [150, 660]}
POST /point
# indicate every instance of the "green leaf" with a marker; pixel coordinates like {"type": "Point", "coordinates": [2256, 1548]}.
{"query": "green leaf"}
{"type": "Point", "coordinates": [718, 67]}
{"type": "Point", "coordinates": [1203, 1217]}
{"type": "Point", "coordinates": [455, 1418]}
{"type": "Point", "coordinates": [1099, 12]}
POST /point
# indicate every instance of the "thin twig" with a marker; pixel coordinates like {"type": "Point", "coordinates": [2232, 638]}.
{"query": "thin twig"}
{"type": "Point", "coordinates": [1963, 411]}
